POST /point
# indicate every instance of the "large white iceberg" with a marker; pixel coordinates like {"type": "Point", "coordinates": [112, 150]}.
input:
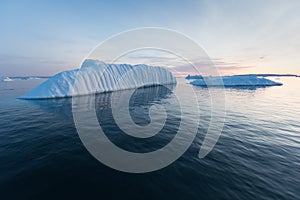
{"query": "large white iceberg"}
{"type": "Point", "coordinates": [238, 80]}
{"type": "Point", "coordinates": [98, 77]}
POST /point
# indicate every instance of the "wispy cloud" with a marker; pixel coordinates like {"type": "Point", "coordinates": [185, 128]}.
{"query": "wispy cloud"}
{"type": "Point", "coordinates": [203, 65]}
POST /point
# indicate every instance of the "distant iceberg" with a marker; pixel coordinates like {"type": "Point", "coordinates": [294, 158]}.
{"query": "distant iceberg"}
{"type": "Point", "coordinates": [238, 80]}
{"type": "Point", "coordinates": [194, 77]}
{"type": "Point", "coordinates": [7, 79]}
{"type": "Point", "coordinates": [22, 78]}
{"type": "Point", "coordinates": [98, 77]}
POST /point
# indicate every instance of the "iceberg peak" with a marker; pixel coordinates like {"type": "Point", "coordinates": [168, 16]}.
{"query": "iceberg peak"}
{"type": "Point", "coordinates": [92, 63]}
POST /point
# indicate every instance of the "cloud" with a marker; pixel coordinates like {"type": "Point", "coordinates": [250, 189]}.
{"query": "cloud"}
{"type": "Point", "coordinates": [214, 66]}
{"type": "Point", "coordinates": [203, 65]}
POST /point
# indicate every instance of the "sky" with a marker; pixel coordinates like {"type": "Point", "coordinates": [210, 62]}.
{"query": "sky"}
{"type": "Point", "coordinates": [47, 37]}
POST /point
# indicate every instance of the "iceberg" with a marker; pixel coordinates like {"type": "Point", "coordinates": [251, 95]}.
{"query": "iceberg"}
{"type": "Point", "coordinates": [22, 78]}
{"type": "Point", "coordinates": [7, 79]}
{"type": "Point", "coordinates": [238, 80]}
{"type": "Point", "coordinates": [194, 77]}
{"type": "Point", "coordinates": [98, 77]}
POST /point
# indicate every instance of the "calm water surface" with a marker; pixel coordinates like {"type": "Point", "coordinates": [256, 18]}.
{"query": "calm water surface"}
{"type": "Point", "coordinates": [257, 155]}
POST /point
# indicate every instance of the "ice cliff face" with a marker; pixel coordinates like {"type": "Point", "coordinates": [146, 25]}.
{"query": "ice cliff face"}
{"type": "Point", "coordinates": [239, 80]}
{"type": "Point", "coordinates": [97, 77]}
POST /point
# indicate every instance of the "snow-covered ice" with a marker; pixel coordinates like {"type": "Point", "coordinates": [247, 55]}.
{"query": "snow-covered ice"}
{"type": "Point", "coordinates": [97, 77]}
{"type": "Point", "coordinates": [238, 80]}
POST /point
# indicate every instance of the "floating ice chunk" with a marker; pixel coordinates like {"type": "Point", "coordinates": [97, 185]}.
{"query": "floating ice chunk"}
{"type": "Point", "coordinates": [7, 79]}
{"type": "Point", "coordinates": [239, 80]}
{"type": "Point", "coordinates": [97, 77]}
{"type": "Point", "coordinates": [194, 77]}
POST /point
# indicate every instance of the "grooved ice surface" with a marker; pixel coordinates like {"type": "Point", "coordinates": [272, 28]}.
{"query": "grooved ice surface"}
{"type": "Point", "coordinates": [97, 77]}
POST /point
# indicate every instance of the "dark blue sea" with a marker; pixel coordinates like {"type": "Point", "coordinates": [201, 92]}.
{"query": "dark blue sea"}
{"type": "Point", "coordinates": [256, 157]}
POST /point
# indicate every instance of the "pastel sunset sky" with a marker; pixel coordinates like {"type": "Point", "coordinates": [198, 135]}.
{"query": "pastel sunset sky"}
{"type": "Point", "coordinates": [46, 37]}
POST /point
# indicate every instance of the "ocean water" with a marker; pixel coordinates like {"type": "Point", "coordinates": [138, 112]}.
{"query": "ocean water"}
{"type": "Point", "coordinates": [256, 157]}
